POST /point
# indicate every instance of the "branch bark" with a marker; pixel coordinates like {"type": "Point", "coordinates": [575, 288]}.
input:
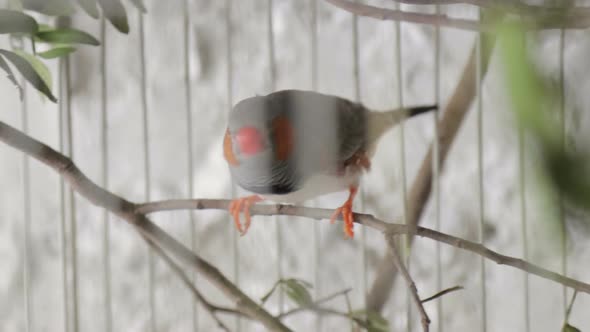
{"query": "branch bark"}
{"type": "Point", "coordinates": [126, 211]}
{"type": "Point", "coordinates": [397, 261]}
{"type": "Point", "coordinates": [369, 221]}
{"type": "Point", "coordinates": [534, 18]}
{"type": "Point", "coordinates": [135, 215]}
{"type": "Point", "coordinates": [453, 116]}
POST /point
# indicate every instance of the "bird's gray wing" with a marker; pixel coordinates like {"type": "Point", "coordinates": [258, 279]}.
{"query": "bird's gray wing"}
{"type": "Point", "coordinates": [330, 129]}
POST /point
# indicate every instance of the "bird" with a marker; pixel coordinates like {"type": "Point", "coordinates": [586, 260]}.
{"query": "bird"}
{"type": "Point", "coordinates": [293, 145]}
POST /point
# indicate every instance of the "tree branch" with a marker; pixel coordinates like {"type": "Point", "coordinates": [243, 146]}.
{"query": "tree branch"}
{"type": "Point", "coordinates": [448, 127]}
{"type": "Point", "coordinates": [210, 308]}
{"type": "Point", "coordinates": [126, 211]}
{"type": "Point", "coordinates": [532, 17]}
{"type": "Point", "coordinates": [397, 261]}
{"type": "Point", "coordinates": [371, 222]}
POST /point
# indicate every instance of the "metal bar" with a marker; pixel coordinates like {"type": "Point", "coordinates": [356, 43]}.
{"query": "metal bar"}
{"type": "Point", "coordinates": [361, 201]}
{"type": "Point", "coordinates": [563, 146]}
{"type": "Point", "coordinates": [479, 106]}
{"type": "Point", "coordinates": [62, 200]}
{"type": "Point", "coordinates": [436, 172]}
{"type": "Point", "coordinates": [316, 226]}
{"type": "Point", "coordinates": [72, 201]}
{"type": "Point", "coordinates": [189, 147]}
{"type": "Point", "coordinates": [146, 163]}
{"type": "Point", "coordinates": [26, 178]}
{"type": "Point", "coordinates": [402, 143]}
{"type": "Point", "coordinates": [230, 98]}
{"type": "Point", "coordinates": [273, 85]}
{"type": "Point", "coordinates": [106, 231]}
{"type": "Point", "coordinates": [524, 221]}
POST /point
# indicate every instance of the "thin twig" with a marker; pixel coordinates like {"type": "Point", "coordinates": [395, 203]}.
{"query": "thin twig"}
{"type": "Point", "coordinates": [371, 222]}
{"type": "Point", "coordinates": [134, 214]}
{"type": "Point", "coordinates": [125, 209]}
{"type": "Point", "coordinates": [211, 308]}
{"type": "Point", "coordinates": [408, 278]}
{"type": "Point", "coordinates": [452, 118]}
{"type": "Point", "coordinates": [572, 18]}
{"type": "Point", "coordinates": [315, 304]}
{"type": "Point", "coordinates": [441, 293]}
{"type": "Point", "coordinates": [570, 306]}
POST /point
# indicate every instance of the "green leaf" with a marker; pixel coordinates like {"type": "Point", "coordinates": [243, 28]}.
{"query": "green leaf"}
{"type": "Point", "coordinates": [569, 328]}
{"type": "Point", "coordinates": [114, 11]}
{"type": "Point", "coordinates": [33, 70]}
{"type": "Point", "coordinates": [139, 4]}
{"type": "Point", "coordinates": [10, 76]}
{"type": "Point", "coordinates": [297, 291]}
{"type": "Point", "coordinates": [12, 21]}
{"type": "Point", "coordinates": [90, 7]}
{"type": "Point", "coordinates": [50, 7]}
{"type": "Point", "coordinates": [15, 5]}
{"type": "Point", "coordinates": [67, 36]}
{"type": "Point", "coordinates": [375, 322]}
{"type": "Point", "coordinates": [56, 52]}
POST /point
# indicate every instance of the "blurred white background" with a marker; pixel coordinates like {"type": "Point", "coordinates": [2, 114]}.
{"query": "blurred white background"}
{"type": "Point", "coordinates": [310, 250]}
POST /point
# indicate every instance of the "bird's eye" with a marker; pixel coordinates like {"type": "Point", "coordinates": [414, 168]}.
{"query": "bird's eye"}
{"type": "Point", "coordinates": [249, 140]}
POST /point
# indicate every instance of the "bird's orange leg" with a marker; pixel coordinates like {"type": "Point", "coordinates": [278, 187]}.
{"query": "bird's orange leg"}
{"type": "Point", "coordinates": [243, 204]}
{"type": "Point", "coordinates": [346, 211]}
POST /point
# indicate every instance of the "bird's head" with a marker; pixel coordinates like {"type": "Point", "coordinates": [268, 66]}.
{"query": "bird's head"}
{"type": "Point", "coordinates": [257, 132]}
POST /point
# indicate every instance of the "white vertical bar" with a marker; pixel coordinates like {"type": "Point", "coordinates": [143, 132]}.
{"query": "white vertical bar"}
{"type": "Point", "coordinates": [72, 201]}
{"type": "Point", "coordinates": [316, 225]}
{"type": "Point", "coordinates": [106, 231]}
{"type": "Point", "coordinates": [273, 86]}
{"type": "Point", "coordinates": [189, 146]}
{"type": "Point", "coordinates": [400, 94]}
{"type": "Point", "coordinates": [26, 178]}
{"type": "Point", "coordinates": [62, 200]}
{"type": "Point", "coordinates": [230, 98]}
{"type": "Point", "coordinates": [146, 170]}
{"type": "Point", "coordinates": [563, 146]}
{"type": "Point", "coordinates": [436, 172]}
{"type": "Point", "coordinates": [524, 221]}
{"type": "Point", "coordinates": [361, 201]}
{"type": "Point", "coordinates": [480, 177]}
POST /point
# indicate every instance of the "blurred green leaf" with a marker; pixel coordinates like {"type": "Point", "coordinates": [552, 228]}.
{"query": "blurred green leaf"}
{"type": "Point", "coordinates": [15, 5]}
{"type": "Point", "coordinates": [56, 52]}
{"type": "Point", "coordinates": [4, 65]}
{"type": "Point", "coordinates": [44, 27]}
{"type": "Point", "coordinates": [523, 84]}
{"type": "Point", "coordinates": [297, 291]}
{"type": "Point", "coordinates": [115, 12]}
{"type": "Point", "coordinates": [67, 36]}
{"type": "Point", "coordinates": [50, 7]}
{"type": "Point", "coordinates": [90, 7]}
{"type": "Point", "coordinates": [375, 322]}
{"type": "Point", "coordinates": [33, 70]}
{"type": "Point", "coordinates": [139, 4]}
{"type": "Point", "coordinates": [570, 328]}
{"type": "Point", "coordinates": [12, 21]}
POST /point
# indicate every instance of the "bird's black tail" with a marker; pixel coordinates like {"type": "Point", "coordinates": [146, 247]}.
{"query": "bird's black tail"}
{"type": "Point", "coordinates": [412, 111]}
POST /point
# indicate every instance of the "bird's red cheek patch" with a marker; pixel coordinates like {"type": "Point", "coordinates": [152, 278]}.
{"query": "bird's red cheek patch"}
{"type": "Point", "coordinates": [283, 137]}
{"type": "Point", "coordinates": [228, 152]}
{"type": "Point", "coordinates": [249, 141]}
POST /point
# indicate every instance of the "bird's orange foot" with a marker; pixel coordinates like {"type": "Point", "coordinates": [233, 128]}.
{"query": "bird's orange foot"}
{"type": "Point", "coordinates": [243, 205]}
{"type": "Point", "coordinates": [347, 215]}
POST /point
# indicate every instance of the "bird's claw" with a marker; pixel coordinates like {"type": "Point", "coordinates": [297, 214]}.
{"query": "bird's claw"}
{"type": "Point", "coordinates": [347, 215]}
{"type": "Point", "coordinates": [243, 205]}
{"type": "Point", "coordinates": [346, 211]}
